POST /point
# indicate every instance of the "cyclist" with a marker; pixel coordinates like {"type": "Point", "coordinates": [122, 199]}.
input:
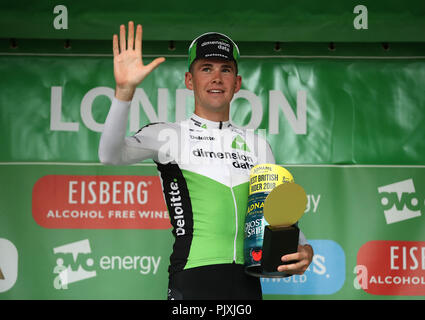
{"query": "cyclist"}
{"type": "Point", "coordinates": [204, 165]}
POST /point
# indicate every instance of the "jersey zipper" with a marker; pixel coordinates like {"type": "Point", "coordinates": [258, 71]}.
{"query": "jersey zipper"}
{"type": "Point", "coordinates": [236, 212]}
{"type": "Point", "coordinates": [236, 223]}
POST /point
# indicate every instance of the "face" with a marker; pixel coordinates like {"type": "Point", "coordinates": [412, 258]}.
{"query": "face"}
{"type": "Point", "coordinates": [214, 82]}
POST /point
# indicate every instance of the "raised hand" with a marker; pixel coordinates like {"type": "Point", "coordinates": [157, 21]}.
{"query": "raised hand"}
{"type": "Point", "coordinates": [129, 70]}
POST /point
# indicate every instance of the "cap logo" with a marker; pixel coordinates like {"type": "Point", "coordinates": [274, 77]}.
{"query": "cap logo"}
{"type": "Point", "coordinates": [213, 45]}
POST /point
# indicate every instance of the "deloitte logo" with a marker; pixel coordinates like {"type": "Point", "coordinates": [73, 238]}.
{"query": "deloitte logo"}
{"type": "Point", "coordinates": [400, 201]}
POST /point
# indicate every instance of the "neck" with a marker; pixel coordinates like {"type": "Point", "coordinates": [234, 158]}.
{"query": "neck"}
{"type": "Point", "coordinates": [216, 115]}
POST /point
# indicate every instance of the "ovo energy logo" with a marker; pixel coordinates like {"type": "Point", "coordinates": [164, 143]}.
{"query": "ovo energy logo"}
{"type": "Point", "coordinates": [400, 201]}
{"type": "Point", "coordinates": [75, 262]}
{"type": "Point", "coordinates": [77, 269]}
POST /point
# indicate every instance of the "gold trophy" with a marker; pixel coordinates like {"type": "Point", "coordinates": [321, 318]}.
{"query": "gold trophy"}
{"type": "Point", "coordinates": [283, 207]}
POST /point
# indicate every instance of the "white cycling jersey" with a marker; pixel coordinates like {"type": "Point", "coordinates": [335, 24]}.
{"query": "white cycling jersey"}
{"type": "Point", "coordinates": [204, 169]}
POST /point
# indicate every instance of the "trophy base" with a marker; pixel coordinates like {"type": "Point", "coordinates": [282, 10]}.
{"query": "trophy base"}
{"type": "Point", "coordinates": [259, 272]}
{"type": "Point", "coordinates": [278, 241]}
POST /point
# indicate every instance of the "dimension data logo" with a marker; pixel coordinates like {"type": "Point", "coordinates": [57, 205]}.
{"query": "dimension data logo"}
{"type": "Point", "coordinates": [400, 201]}
{"type": "Point", "coordinates": [239, 143]}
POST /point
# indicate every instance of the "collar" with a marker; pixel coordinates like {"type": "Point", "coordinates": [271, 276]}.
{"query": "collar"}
{"type": "Point", "coordinates": [208, 124]}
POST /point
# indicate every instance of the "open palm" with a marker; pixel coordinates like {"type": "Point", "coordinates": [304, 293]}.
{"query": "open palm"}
{"type": "Point", "coordinates": [129, 70]}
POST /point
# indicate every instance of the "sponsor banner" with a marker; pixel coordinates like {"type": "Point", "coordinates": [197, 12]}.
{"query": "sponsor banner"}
{"type": "Point", "coordinates": [325, 275]}
{"type": "Point", "coordinates": [392, 268]}
{"type": "Point", "coordinates": [99, 202]}
{"type": "Point", "coordinates": [299, 103]}
{"type": "Point", "coordinates": [345, 214]}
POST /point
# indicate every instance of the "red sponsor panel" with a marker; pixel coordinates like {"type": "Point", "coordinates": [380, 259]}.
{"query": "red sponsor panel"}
{"type": "Point", "coordinates": [99, 202]}
{"type": "Point", "coordinates": [392, 267]}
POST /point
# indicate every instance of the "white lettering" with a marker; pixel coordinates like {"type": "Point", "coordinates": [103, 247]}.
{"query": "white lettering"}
{"type": "Point", "coordinates": [393, 257]}
{"type": "Point", "coordinates": [141, 99]}
{"type": "Point", "coordinates": [360, 21]}
{"type": "Point", "coordinates": [298, 123]}
{"type": "Point", "coordinates": [256, 108]}
{"type": "Point", "coordinates": [184, 103]}
{"type": "Point", "coordinates": [360, 281]}
{"type": "Point", "coordinates": [56, 123]}
{"type": "Point", "coordinates": [60, 21]}
{"type": "Point", "coordinates": [87, 105]}
{"type": "Point", "coordinates": [71, 192]}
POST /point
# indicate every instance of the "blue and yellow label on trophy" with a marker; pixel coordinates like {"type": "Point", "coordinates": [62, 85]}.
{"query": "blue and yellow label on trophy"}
{"type": "Point", "coordinates": [263, 179]}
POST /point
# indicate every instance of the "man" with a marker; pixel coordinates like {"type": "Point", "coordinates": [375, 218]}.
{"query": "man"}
{"type": "Point", "coordinates": [204, 165]}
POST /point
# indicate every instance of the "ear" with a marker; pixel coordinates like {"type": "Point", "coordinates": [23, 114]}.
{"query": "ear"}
{"type": "Point", "coordinates": [188, 80]}
{"type": "Point", "coordinates": [238, 83]}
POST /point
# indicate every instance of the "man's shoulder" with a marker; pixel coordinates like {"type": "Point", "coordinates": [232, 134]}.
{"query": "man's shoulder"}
{"type": "Point", "coordinates": [157, 126]}
{"type": "Point", "coordinates": [259, 134]}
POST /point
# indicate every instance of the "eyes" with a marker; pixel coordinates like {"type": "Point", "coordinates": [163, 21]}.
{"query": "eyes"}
{"type": "Point", "coordinates": [208, 69]}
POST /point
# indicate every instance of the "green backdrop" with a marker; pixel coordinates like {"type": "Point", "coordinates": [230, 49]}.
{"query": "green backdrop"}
{"type": "Point", "coordinates": [347, 121]}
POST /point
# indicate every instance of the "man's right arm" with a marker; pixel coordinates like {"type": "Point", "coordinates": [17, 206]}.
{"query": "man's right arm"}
{"type": "Point", "coordinates": [129, 72]}
{"type": "Point", "coordinates": [114, 147]}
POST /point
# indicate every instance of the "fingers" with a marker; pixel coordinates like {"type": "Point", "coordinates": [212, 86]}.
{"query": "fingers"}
{"type": "Point", "coordinates": [122, 38]}
{"type": "Point", "coordinates": [155, 63]}
{"type": "Point", "coordinates": [138, 46]}
{"type": "Point", "coordinates": [129, 44]}
{"type": "Point", "coordinates": [130, 41]}
{"type": "Point", "coordinates": [115, 45]}
{"type": "Point", "coordinates": [298, 267]}
{"type": "Point", "coordinates": [290, 257]}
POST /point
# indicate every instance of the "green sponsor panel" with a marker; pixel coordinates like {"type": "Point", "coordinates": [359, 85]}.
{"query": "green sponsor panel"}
{"type": "Point", "coordinates": [348, 206]}
{"type": "Point", "coordinates": [269, 20]}
{"type": "Point", "coordinates": [104, 263]}
{"type": "Point", "coordinates": [312, 110]}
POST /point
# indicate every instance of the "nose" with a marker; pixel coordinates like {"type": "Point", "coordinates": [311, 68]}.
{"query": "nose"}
{"type": "Point", "coordinates": [217, 77]}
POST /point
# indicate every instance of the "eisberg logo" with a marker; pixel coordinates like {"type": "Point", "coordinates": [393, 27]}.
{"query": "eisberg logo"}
{"type": "Point", "coordinates": [400, 201]}
{"type": "Point", "coordinates": [99, 202]}
{"type": "Point", "coordinates": [325, 275]}
{"type": "Point", "coordinates": [391, 268]}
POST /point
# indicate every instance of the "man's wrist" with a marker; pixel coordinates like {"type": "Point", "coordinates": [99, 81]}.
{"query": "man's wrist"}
{"type": "Point", "coordinates": [124, 94]}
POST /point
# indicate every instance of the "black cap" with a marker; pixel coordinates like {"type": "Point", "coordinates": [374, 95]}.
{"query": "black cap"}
{"type": "Point", "coordinates": [213, 45]}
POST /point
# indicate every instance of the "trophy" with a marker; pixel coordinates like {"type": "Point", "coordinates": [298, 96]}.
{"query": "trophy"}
{"type": "Point", "coordinates": [275, 204]}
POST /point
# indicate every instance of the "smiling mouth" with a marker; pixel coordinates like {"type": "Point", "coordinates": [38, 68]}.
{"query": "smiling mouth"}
{"type": "Point", "coordinates": [216, 91]}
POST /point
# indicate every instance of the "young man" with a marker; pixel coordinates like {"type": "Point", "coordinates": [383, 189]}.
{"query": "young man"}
{"type": "Point", "coordinates": [204, 165]}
